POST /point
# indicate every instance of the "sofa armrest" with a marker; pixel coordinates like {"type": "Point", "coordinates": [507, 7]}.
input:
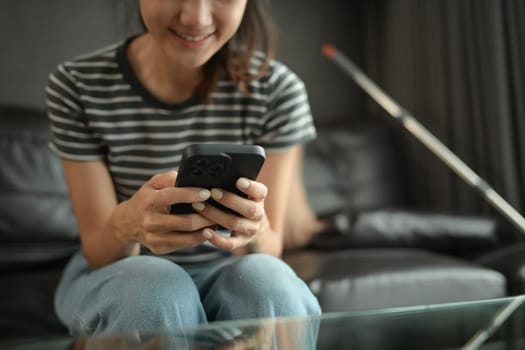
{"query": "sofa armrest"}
{"type": "Point", "coordinates": [446, 233]}
{"type": "Point", "coordinates": [37, 223]}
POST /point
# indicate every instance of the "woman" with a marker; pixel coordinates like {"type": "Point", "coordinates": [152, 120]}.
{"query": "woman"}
{"type": "Point", "coordinates": [120, 119]}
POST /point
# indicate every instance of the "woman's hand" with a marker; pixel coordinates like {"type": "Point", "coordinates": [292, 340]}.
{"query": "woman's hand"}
{"type": "Point", "coordinates": [251, 226]}
{"type": "Point", "coordinates": [145, 218]}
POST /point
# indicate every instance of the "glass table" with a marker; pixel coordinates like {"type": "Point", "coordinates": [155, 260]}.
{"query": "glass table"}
{"type": "Point", "coordinates": [486, 324]}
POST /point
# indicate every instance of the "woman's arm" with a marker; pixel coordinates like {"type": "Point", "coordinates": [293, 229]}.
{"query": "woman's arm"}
{"type": "Point", "coordinates": [110, 231]}
{"type": "Point", "coordinates": [301, 222]}
{"type": "Point", "coordinates": [94, 200]}
{"type": "Point", "coordinates": [278, 175]}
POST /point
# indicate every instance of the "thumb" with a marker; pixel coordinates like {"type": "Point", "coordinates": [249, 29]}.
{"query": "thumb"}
{"type": "Point", "coordinates": [164, 180]}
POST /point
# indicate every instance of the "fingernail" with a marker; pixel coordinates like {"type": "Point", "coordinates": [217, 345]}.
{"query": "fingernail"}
{"type": "Point", "coordinates": [207, 234]}
{"type": "Point", "coordinates": [204, 194]}
{"type": "Point", "coordinates": [243, 183]}
{"type": "Point", "coordinates": [216, 194]}
{"type": "Point", "coordinates": [198, 206]}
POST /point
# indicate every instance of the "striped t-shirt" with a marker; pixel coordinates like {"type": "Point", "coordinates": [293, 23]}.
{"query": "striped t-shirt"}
{"type": "Point", "coordinates": [99, 110]}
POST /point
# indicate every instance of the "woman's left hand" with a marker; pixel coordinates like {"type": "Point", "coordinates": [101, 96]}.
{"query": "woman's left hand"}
{"type": "Point", "coordinates": [250, 227]}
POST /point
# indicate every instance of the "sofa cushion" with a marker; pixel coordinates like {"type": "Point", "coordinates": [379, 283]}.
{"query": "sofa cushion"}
{"type": "Point", "coordinates": [374, 278]}
{"type": "Point", "coordinates": [36, 215]}
{"type": "Point", "coordinates": [452, 234]}
{"type": "Point", "coordinates": [29, 312]}
{"type": "Point", "coordinates": [510, 261]}
{"type": "Point", "coordinates": [357, 166]}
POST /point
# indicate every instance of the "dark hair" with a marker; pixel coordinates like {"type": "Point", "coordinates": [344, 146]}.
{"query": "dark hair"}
{"type": "Point", "coordinates": [256, 33]}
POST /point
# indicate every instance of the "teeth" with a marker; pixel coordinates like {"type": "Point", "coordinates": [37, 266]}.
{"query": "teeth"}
{"type": "Point", "coordinates": [192, 38]}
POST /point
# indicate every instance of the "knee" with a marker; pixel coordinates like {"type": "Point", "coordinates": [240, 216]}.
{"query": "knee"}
{"type": "Point", "coordinates": [151, 280]}
{"type": "Point", "coordinates": [261, 271]}
{"type": "Point", "coordinates": [254, 267]}
{"type": "Point", "coordinates": [149, 290]}
{"type": "Point", "coordinates": [266, 278]}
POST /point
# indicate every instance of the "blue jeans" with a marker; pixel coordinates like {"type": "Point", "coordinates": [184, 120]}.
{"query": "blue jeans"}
{"type": "Point", "coordinates": [147, 293]}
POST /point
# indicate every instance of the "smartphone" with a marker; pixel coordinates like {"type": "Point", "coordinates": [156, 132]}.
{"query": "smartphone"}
{"type": "Point", "coordinates": [217, 166]}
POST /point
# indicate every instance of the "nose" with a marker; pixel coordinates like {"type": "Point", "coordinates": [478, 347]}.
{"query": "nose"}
{"type": "Point", "coordinates": [196, 13]}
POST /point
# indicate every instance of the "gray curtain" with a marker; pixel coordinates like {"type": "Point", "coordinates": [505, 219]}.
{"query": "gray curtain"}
{"type": "Point", "coordinates": [458, 66]}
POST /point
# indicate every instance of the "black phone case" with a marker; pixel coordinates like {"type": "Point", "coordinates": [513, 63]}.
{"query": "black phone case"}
{"type": "Point", "coordinates": [217, 166]}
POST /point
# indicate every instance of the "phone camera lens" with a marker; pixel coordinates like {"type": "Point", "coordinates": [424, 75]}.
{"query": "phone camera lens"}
{"type": "Point", "coordinates": [216, 169]}
{"type": "Point", "coordinates": [196, 171]}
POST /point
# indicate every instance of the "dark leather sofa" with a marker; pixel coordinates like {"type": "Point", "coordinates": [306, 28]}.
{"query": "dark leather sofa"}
{"type": "Point", "coordinates": [388, 258]}
{"type": "Point", "coordinates": [391, 254]}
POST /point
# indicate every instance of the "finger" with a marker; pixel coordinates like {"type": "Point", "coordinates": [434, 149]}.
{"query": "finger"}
{"type": "Point", "coordinates": [228, 243]}
{"type": "Point", "coordinates": [172, 195]}
{"type": "Point", "coordinates": [164, 243]}
{"type": "Point", "coordinates": [255, 190]}
{"type": "Point", "coordinates": [248, 208]}
{"type": "Point", "coordinates": [161, 223]}
{"type": "Point", "coordinates": [232, 222]}
{"type": "Point", "coordinates": [163, 180]}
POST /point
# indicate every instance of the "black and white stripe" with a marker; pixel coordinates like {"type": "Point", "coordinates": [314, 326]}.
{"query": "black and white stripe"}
{"type": "Point", "coordinates": [99, 110]}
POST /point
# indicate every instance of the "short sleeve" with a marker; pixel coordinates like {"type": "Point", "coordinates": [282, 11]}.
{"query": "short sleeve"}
{"type": "Point", "coordinates": [288, 120]}
{"type": "Point", "coordinates": [72, 138]}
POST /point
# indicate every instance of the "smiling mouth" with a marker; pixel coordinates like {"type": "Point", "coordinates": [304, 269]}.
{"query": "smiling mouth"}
{"type": "Point", "coordinates": [192, 38]}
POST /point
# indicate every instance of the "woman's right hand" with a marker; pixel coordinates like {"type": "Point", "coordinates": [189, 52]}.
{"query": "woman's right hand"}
{"type": "Point", "coordinates": [145, 218]}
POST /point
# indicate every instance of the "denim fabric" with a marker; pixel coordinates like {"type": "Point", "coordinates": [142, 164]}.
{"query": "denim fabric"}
{"type": "Point", "coordinates": [153, 294]}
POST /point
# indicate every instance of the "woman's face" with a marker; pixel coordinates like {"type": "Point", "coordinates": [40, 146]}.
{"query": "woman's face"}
{"type": "Point", "coordinates": [190, 32]}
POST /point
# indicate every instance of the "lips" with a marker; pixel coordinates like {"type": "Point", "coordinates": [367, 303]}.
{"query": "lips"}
{"type": "Point", "coordinates": [192, 38]}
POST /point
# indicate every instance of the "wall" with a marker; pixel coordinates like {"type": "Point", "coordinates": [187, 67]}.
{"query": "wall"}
{"type": "Point", "coordinates": [304, 27]}
{"type": "Point", "coordinates": [37, 35]}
